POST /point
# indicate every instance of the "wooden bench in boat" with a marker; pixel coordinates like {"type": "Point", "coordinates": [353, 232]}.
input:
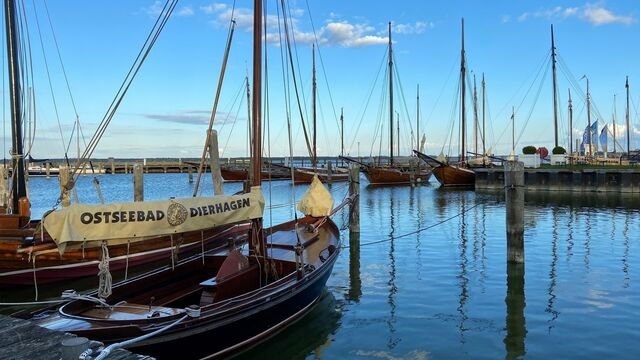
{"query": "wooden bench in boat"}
{"type": "Point", "coordinates": [127, 311]}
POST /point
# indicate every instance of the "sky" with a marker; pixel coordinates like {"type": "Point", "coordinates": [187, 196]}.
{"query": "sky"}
{"type": "Point", "coordinates": [82, 51]}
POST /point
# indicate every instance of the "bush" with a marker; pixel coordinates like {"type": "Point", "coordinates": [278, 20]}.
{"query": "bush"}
{"type": "Point", "coordinates": [558, 150]}
{"type": "Point", "coordinates": [529, 150]}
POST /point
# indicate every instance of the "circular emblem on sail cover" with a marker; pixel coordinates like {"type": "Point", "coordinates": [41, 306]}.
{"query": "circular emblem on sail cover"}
{"type": "Point", "coordinates": [176, 214]}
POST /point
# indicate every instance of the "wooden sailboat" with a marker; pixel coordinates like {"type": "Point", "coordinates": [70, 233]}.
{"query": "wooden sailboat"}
{"type": "Point", "coordinates": [394, 173]}
{"type": "Point", "coordinates": [328, 174]}
{"type": "Point", "coordinates": [454, 174]}
{"type": "Point", "coordinates": [216, 305]}
{"type": "Point", "coordinates": [71, 242]}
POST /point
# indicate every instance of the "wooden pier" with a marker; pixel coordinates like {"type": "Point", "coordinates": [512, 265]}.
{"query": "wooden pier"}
{"type": "Point", "coordinates": [603, 180]}
{"type": "Point", "coordinates": [23, 340]}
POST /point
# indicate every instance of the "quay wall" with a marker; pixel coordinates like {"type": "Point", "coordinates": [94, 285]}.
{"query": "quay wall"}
{"type": "Point", "coordinates": [584, 180]}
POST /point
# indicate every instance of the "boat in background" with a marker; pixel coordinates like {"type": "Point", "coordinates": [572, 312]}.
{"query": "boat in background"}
{"type": "Point", "coordinates": [393, 173]}
{"type": "Point", "coordinates": [458, 173]}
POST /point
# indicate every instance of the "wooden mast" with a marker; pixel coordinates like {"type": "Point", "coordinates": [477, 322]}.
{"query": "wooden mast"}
{"type": "Point", "coordinates": [570, 125]}
{"type": "Point", "coordinates": [256, 243]}
{"type": "Point", "coordinates": [626, 85]}
{"type": "Point", "coordinates": [462, 100]}
{"type": "Point", "coordinates": [390, 98]}
{"type": "Point", "coordinates": [314, 158]}
{"type": "Point", "coordinates": [555, 92]}
{"type": "Point", "coordinates": [19, 188]}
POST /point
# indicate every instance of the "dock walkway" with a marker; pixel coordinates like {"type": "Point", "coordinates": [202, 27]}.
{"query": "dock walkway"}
{"type": "Point", "coordinates": [23, 340]}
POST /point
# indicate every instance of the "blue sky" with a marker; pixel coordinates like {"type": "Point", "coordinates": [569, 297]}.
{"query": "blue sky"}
{"type": "Point", "coordinates": [167, 108]}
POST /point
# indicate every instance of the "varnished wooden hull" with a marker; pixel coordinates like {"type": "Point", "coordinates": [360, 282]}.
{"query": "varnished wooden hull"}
{"type": "Point", "coordinates": [233, 323]}
{"type": "Point", "coordinates": [306, 176]}
{"type": "Point", "coordinates": [450, 175]}
{"type": "Point", "coordinates": [393, 176]}
{"type": "Point", "coordinates": [43, 264]}
{"type": "Point", "coordinates": [242, 175]}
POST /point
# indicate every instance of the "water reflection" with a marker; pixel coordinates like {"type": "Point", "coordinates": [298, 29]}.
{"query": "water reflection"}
{"type": "Point", "coordinates": [355, 284]}
{"type": "Point", "coordinates": [552, 270]}
{"type": "Point", "coordinates": [516, 333]}
{"type": "Point", "coordinates": [393, 289]}
{"type": "Point", "coordinates": [308, 337]}
{"type": "Point", "coordinates": [463, 278]}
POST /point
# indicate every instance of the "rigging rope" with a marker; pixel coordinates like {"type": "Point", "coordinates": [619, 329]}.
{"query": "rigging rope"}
{"type": "Point", "coordinates": [104, 287]}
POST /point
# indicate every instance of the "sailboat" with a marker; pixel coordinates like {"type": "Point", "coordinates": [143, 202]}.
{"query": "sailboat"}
{"type": "Point", "coordinates": [305, 175]}
{"type": "Point", "coordinates": [73, 241]}
{"type": "Point", "coordinates": [219, 304]}
{"type": "Point", "coordinates": [393, 173]}
{"type": "Point", "coordinates": [454, 174]}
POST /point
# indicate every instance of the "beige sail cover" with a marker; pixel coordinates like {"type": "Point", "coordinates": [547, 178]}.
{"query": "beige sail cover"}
{"type": "Point", "coordinates": [123, 222]}
{"type": "Point", "coordinates": [317, 201]}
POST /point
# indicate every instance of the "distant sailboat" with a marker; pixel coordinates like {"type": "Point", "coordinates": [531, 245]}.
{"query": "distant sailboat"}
{"type": "Point", "coordinates": [456, 174]}
{"type": "Point", "coordinates": [393, 173]}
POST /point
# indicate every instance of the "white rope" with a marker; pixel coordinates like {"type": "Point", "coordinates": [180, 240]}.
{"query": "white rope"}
{"type": "Point", "coordinates": [35, 281]}
{"type": "Point", "coordinates": [104, 288]}
{"type": "Point", "coordinates": [126, 267]}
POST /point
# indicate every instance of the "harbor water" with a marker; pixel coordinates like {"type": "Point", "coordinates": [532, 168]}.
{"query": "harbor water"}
{"type": "Point", "coordinates": [427, 277]}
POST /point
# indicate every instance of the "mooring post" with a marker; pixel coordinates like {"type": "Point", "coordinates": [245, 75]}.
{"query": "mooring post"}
{"type": "Point", "coordinates": [354, 190]}
{"type": "Point", "coordinates": [64, 178]}
{"type": "Point", "coordinates": [113, 165]}
{"type": "Point", "coordinates": [514, 195]}
{"type": "Point", "coordinates": [215, 162]}
{"type": "Point", "coordinates": [516, 333]}
{"type": "Point", "coordinates": [190, 170]}
{"type": "Point", "coordinates": [329, 171]}
{"type": "Point", "coordinates": [138, 182]}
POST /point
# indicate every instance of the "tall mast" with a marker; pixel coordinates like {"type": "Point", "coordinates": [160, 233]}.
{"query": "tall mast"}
{"type": "Point", "coordinates": [555, 88]}
{"type": "Point", "coordinates": [626, 85]}
{"type": "Point", "coordinates": [570, 125]}
{"type": "Point", "coordinates": [475, 114]}
{"type": "Point", "coordinates": [462, 94]}
{"type": "Point", "coordinates": [19, 188]}
{"type": "Point", "coordinates": [589, 115]}
{"type": "Point", "coordinates": [257, 241]}
{"type": "Point", "coordinates": [615, 114]}
{"type": "Point", "coordinates": [341, 132]}
{"type": "Point", "coordinates": [390, 99]}
{"type": "Point", "coordinates": [418, 117]}
{"type": "Point", "coordinates": [314, 155]}
{"type": "Point", "coordinates": [484, 136]}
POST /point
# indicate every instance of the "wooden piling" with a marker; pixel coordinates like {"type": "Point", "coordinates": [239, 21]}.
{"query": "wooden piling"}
{"type": "Point", "coordinates": [215, 162]}
{"type": "Point", "coordinates": [64, 178]}
{"type": "Point", "coordinates": [354, 189]}
{"type": "Point", "coordinates": [138, 182]}
{"type": "Point", "coordinates": [514, 196]}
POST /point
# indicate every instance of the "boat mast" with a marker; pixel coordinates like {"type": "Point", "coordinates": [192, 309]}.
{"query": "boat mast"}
{"type": "Point", "coordinates": [475, 114]}
{"type": "Point", "coordinates": [589, 115]}
{"type": "Point", "coordinates": [615, 114]}
{"type": "Point", "coordinates": [19, 188]}
{"type": "Point", "coordinates": [555, 92]}
{"type": "Point", "coordinates": [418, 117]}
{"type": "Point", "coordinates": [462, 94]}
{"type": "Point", "coordinates": [314, 156]}
{"type": "Point", "coordinates": [483, 135]}
{"type": "Point", "coordinates": [570, 125]}
{"type": "Point", "coordinates": [390, 99]}
{"type": "Point", "coordinates": [256, 242]}
{"type": "Point", "coordinates": [626, 85]}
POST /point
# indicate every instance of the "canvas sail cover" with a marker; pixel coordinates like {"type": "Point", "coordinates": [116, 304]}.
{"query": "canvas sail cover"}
{"type": "Point", "coordinates": [317, 201]}
{"type": "Point", "coordinates": [119, 223]}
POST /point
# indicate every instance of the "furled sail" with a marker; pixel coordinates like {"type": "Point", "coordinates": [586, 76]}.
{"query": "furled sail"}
{"type": "Point", "coordinates": [118, 223]}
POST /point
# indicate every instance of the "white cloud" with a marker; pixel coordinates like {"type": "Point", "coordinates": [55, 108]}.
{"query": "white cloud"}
{"type": "Point", "coordinates": [595, 14]}
{"type": "Point", "coordinates": [334, 32]}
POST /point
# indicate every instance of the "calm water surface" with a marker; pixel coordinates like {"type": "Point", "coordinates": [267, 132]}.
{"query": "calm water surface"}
{"type": "Point", "coordinates": [427, 278]}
